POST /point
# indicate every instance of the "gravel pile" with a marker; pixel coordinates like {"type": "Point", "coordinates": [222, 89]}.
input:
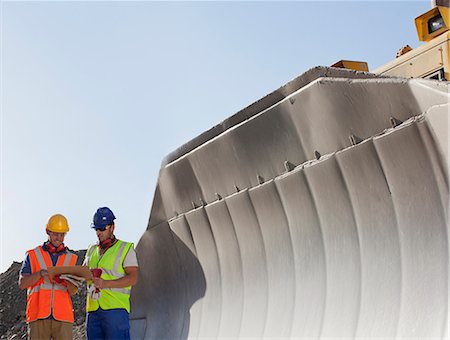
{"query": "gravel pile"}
{"type": "Point", "coordinates": [13, 302]}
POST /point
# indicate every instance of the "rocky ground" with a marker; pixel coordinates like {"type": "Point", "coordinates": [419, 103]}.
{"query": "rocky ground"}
{"type": "Point", "coordinates": [13, 303]}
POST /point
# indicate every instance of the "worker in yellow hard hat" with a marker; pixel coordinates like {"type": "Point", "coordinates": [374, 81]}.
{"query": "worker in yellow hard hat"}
{"type": "Point", "coordinates": [49, 310]}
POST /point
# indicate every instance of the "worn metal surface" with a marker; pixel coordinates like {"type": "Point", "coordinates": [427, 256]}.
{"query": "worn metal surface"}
{"type": "Point", "coordinates": [351, 245]}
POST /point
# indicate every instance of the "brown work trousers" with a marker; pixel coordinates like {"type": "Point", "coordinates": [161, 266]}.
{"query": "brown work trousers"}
{"type": "Point", "coordinates": [49, 329]}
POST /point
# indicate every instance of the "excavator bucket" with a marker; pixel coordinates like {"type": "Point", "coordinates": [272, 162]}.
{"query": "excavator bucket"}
{"type": "Point", "coordinates": [318, 212]}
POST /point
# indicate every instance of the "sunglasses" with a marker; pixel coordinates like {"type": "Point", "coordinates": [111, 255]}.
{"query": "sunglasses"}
{"type": "Point", "coordinates": [103, 229]}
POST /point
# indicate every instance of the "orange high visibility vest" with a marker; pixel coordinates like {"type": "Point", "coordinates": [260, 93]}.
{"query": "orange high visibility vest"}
{"type": "Point", "coordinates": [47, 297]}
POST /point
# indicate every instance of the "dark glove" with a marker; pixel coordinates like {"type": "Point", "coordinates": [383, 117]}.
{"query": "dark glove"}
{"type": "Point", "coordinates": [60, 281]}
{"type": "Point", "coordinates": [96, 272]}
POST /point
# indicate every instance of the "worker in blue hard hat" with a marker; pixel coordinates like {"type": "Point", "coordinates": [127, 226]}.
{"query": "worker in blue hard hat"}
{"type": "Point", "coordinates": [115, 269]}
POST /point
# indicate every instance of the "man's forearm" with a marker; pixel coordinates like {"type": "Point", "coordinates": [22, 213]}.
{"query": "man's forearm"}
{"type": "Point", "coordinates": [27, 280]}
{"type": "Point", "coordinates": [129, 279]}
{"type": "Point", "coordinates": [120, 283]}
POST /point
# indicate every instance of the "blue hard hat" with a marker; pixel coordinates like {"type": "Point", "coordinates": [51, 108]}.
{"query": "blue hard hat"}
{"type": "Point", "coordinates": [103, 217]}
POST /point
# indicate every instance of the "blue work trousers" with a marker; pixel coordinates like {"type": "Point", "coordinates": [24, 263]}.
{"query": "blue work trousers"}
{"type": "Point", "coordinates": [108, 324]}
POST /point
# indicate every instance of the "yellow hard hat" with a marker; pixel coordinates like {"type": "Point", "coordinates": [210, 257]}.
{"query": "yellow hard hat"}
{"type": "Point", "coordinates": [58, 224]}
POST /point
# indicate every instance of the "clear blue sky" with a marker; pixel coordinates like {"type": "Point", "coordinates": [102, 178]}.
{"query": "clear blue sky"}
{"type": "Point", "coordinates": [94, 95]}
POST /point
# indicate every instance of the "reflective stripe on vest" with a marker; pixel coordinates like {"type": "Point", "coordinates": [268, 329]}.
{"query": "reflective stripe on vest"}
{"type": "Point", "coordinates": [48, 286]}
{"type": "Point", "coordinates": [47, 297]}
{"type": "Point", "coordinates": [90, 250]}
{"type": "Point", "coordinates": [111, 263]}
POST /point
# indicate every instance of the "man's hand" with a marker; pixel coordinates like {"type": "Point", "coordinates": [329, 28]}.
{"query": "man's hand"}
{"type": "Point", "coordinates": [71, 288]}
{"type": "Point", "coordinates": [130, 279]}
{"type": "Point", "coordinates": [100, 283]}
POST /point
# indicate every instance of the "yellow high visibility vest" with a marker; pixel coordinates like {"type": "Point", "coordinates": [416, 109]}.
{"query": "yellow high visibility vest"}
{"type": "Point", "coordinates": [111, 264]}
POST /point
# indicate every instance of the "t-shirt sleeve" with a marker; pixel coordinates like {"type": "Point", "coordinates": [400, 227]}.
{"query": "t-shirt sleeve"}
{"type": "Point", "coordinates": [88, 254]}
{"type": "Point", "coordinates": [130, 259]}
{"type": "Point", "coordinates": [86, 259]}
{"type": "Point", "coordinates": [26, 266]}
